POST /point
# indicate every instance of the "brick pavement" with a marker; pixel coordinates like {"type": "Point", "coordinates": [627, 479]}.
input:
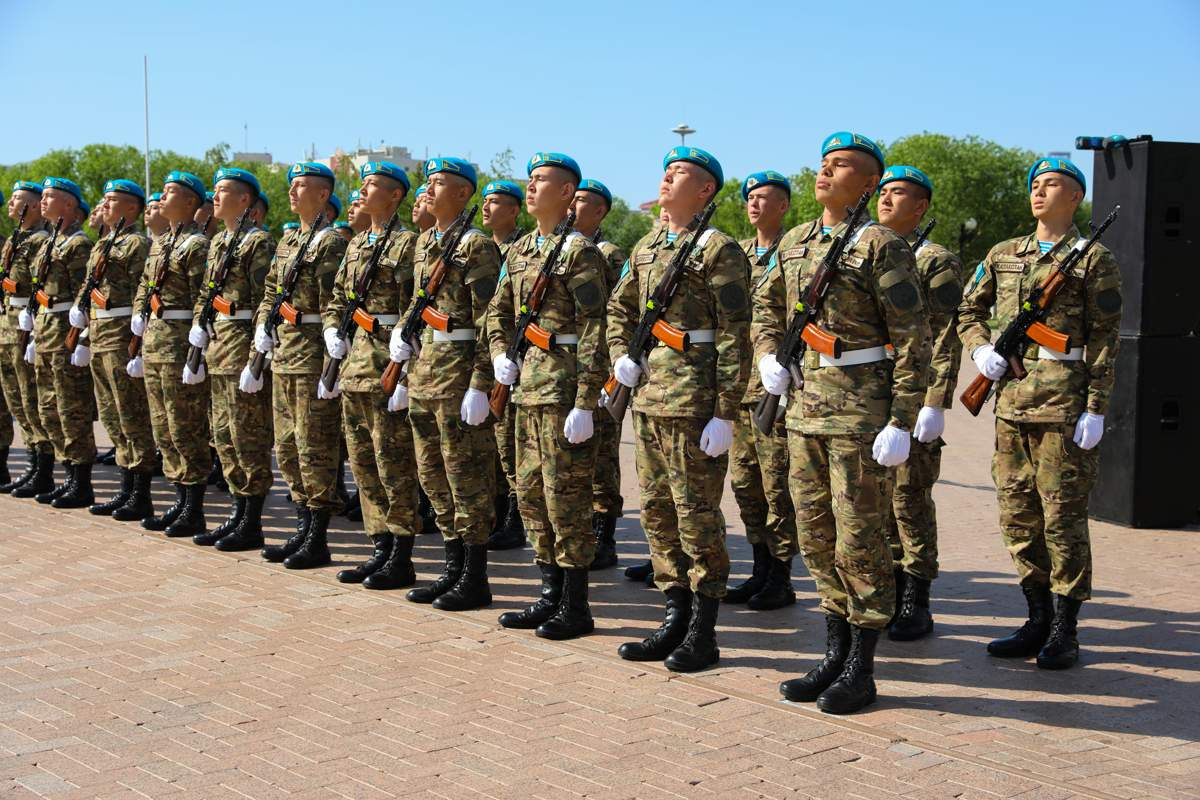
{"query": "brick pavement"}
{"type": "Point", "coordinates": [136, 666]}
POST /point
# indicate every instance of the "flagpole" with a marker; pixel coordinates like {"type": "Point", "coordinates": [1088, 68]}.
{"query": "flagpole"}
{"type": "Point", "coordinates": [146, 93]}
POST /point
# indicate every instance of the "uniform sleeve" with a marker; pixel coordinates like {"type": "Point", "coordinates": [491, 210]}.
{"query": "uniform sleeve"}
{"type": "Point", "coordinates": [976, 307]}
{"type": "Point", "coordinates": [331, 317]}
{"type": "Point", "coordinates": [943, 293]}
{"type": "Point", "coordinates": [258, 264]}
{"type": "Point", "coordinates": [500, 324]}
{"type": "Point", "coordinates": [589, 290]}
{"type": "Point", "coordinates": [483, 259]}
{"type": "Point", "coordinates": [406, 274]}
{"type": "Point", "coordinates": [899, 302]}
{"type": "Point", "coordinates": [274, 278]}
{"type": "Point", "coordinates": [214, 252]}
{"type": "Point", "coordinates": [1103, 303]}
{"type": "Point", "coordinates": [623, 310]}
{"type": "Point", "coordinates": [76, 261]}
{"type": "Point", "coordinates": [729, 288]}
{"type": "Point", "coordinates": [769, 322]}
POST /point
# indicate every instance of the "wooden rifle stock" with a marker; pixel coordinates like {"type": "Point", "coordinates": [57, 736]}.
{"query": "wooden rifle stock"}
{"type": "Point", "coordinates": [498, 399]}
{"type": "Point", "coordinates": [976, 394]}
{"type": "Point", "coordinates": [391, 377]}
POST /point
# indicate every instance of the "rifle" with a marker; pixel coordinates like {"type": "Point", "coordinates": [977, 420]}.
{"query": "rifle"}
{"type": "Point", "coordinates": [5, 281]}
{"type": "Point", "coordinates": [215, 302]}
{"type": "Point", "coordinates": [528, 331]}
{"type": "Point", "coordinates": [38, 276]}
{"type": "Point", "coordinates": [153, 303]}
{"type": "Point", "coordinates": [1030, 322]}
{"type": "Point", "coordinates": [922, 235]}
{"type": "Point", "coordinates": [423, 313]}
{"type": "Point", "coordinates": [283, 308]}
{"type": "Point", "coordinates": [356, 314]}
{"type": "Point", "coordinates": [653, 326]}
{"type": "Point", "coordinates": [91, 289]}
{"type": "Point", "coordinates": [803, 332]}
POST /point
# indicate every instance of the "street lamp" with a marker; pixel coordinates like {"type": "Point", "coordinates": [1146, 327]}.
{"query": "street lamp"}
{"type": "Point", "coordinates": [966, 232]}
{"type": "Point", "coordinates": [684, 131]}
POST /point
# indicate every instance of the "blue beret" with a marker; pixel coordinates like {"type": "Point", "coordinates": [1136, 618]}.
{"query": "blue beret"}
{"type": "Point", "coordinates": [561, 160]}
{"type": "Point", "coordinates": [455, 166]}
{"type": "Point", "coordinates": [27, 186]}
{"type": "Point", "coordinates": [768, 177]}
{"type": "Point", "coordinates": [595, 186]}
{"type": "Point", "coordinates": [66, 185]}
{"type": "Point", "coordinates": [126, 187]}
{"type": "Point", "coordinates": [234, 174]}
{"type": "Point", "coordinates": [265, 201]}
{"type": "Point", "coordinates": [845, 140]}
{"type": "Point", "coordinates": [503, 187]}
{"type": "Point", "coordinates": [290, 226]}
{"type": "Point", "coordinates": [208, 197]}
{"type": "Point", "coordinates": [910, 174]}
{"type": "Point", "coordinates": [1050, 164]}
{"type": "Point", "coordinates": [155, 197]}
{"type": "Point", "coordinates": [309, 168]}
{"type": "Point", "coordinates": [386, 168]}
{"type": "Point", "coordinates": [341, 224]}
{"type": "Point", "coordinates": [354, 196]}
{"type": "Point", "coordinates": [188, 181]}
{"type": "Point", "coordinates": [424, 187]}
{"type": "Point", "coordinates": [336, 202]}
{"type": "Point", "coordinates": [1, 196]}
{"type": "Point", "coordinates": [696, 156]}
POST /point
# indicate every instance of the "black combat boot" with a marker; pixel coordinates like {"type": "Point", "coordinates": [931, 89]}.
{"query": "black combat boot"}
{"type": "Point", "coordinates": [510, 534]}
{"type": "Point", "coordinates": [427, 514]}
{"type": "Point", "coordinates": [25, 477]}
{"type": "Point", "coordinates": [640, 572]}
{"type": "Point", "coordinates": [604, 526]}
{"type": "Point", "coordinates": [1029, 638]}
{"type": "Point", "coordinates": [314, 552]}
{"type": "Point", "coordinates": [660, 644]}
{"type": "Point", "coordinates": [382, 548]}
{"type": "Point", "coordinates": [398, 571]}
{"type": "Point", "coordinates": [216, 476]}
{"type": "Point", "coordinates": [698, 650]}
{"type": "Point", "coordinates": [210, 538]}
{"type": "Point", "coordinates": [471, 590]}
{"type": "Point", "coordinates": [276, 553]}
{"type": "Point", "coordinates": [41, 481]}
{"type": "Point", "coordinates": [191, 519]}
{"type": "Point", "coordinates": [138, 506]}
{"type": "Point", "coordinates": [777, 592]}
{"type": "Point", "coordinates": [340, 491]}
{"type": "Point", "coordinates": [248, 535]}
{"type": "Point", "coordinates": [743, 591]}
{"type": "Point", "coordinates": [108, 459]}
{"type": "Point", "coordinates": [808, 687]}
{"type": "Point", "coordinates": [79, 493]}
{"type": "Point", "coordinates": [353, 510]}
{"type": "Point", "coordinates": [544, 607]}
{"type": "Point", "coordinates": [901, 578]}
{"type": "Point", "coordinates": [106, 509]}
{"type": "Point", "coordinates": [912, 620]}
{"type": "Point", "coordinates": [450, 575]}
{"type": "Point", "coordinates": [574, 616]}
{"type": "Point", "coordinates": [55, 492]}
{"type": "Point", "coordinates": [854, 689]}
{"type": "Point", "coordinates": [5, 477]}
{"type": "Point", "coordinates": [1061, 650]}
{"type": "Point", "coordinates": [171, 514]}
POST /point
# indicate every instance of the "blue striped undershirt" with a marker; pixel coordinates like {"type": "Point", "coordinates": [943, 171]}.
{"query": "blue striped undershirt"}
{"type": "Point", "coordinates": [760, 251]}
{"type": "Point", "coordinates": [826, 230]}
{"type": "Point", "coordinates": [1045, 247]}
{"type": "Point", "coordinates": [671, 237]}
{"type": "Point", "coordinates": [541, 241]}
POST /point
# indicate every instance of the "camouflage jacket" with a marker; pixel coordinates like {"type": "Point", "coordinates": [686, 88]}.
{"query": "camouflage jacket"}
{"type": "Point", "coordinates": [444, 370]}
{"type": "Point", "coordinates": [165, 341]}
{"type": "Point", "coordinates": [567, 375]}
{"type": "Point", "coordinates": [390, 294]}
{"type": "Point", "coordinates": [707, 380]}
{"type": "Point", "coordinates": [228, 351]}
{"type": "Point", "coordinates": [1088, 309]}
{"type": "Point", "coordinates": [507, 244]}
{"type": "Point", "coordinates": [22, 259]}
{"type": "Point", "coordinates": [301, 348]}
{"type": "Point", "coordinates": [61, 280]}
{"type": "Point", "coordinates": [940, 276]}
{"type": "Point", "coordinates": [126, 261]}
{"type": "Point", "coordinates": [758, 276]}
{"type": "Point", "coordinates": [615, 259]}
{"type": "Point", "coordinates": [872, 301]}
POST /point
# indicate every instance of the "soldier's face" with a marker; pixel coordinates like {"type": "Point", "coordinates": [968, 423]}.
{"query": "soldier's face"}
{"type": "Point", "coordinates": [446, 195]}
{"type": "Point", "coordinates": [230, 201]}
{"type": "Point", "coordinates": [204, 215]}
{"type": "Point", "coordinates": [685, 186]}
{"type": "Point", "coordinates": [307, 194]}
{"type": "Point", "coordinates": [57, 203]}
{"type": "Point", "coordinates": [766, 206]}
{"type": "Point", "coordinates": [1054, 196]}
{"type": "Point", "coordinates": [177, 204]}
{"type": "Point", "coordinates": [843, 177]}
{"type": "Point", "coordinates": [152, 217]}
{"type": "Point", "coordinates": [549, 190]}
{"type": "Point", "coordinates": [590, 210]}
{"type": "Point", "coordinates": [500, 211]}
{"type": "Point", "coordinates": [118, 206]}
{"type": "Point", "coordinates": [379, 194]}
{"type": "Point", "coordinates": [901, 205]}
{"type": "Point", "coordinates": [24, 198]}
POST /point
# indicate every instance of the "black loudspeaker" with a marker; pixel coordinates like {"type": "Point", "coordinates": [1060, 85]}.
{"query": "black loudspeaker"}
{"type": "Point", "coordinates": [1156, 239]}
{"type": "Point", "coordinates": [1149, 477]}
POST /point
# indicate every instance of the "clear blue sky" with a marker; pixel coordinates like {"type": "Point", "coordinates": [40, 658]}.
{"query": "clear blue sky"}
{"type": "Point", "coordinates": [763, 81]}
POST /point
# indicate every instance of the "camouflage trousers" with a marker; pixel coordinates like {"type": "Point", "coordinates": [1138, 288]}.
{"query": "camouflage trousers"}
{"type": "Point", "coordinates": [454, 465]}
{"type": "Point", "coordinates": [307, 440]}
{"type": "Point", "coordinates": [554, 482]}
{"type": "Point", "coordinates": [6, 417]}
{"type": "Point", "coordinates": [66, 406]}
{"type": "Point", "coordinates": [1042, 484]}
{"type": "Point", "coordinates": [758, 474]}
{"type": "Point", "coordinates": [121, 406]}
{"type": "Point", "coordinates": [241, 432]}
{"type": "Point", "coordinates": [20, 396]}
{"type": "Point", "coordinates": [912, 525]}
{"type": "Point", "coordinates": [842, 498]}
{"type": "Point", "coordinates": [506, 453]}
{"type": "Point", "coordinates": [179, 419]}
{"type": "Point", "coordinates": [606, 478]}
{"type": "Point", "coordinates": [681, 491]}
{"type": "Point", "coordinates": [380, 450]}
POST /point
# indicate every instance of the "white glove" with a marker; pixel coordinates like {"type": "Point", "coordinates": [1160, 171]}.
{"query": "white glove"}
{"type": "Point", "coordinates": [990, 365]}
{"type": "Point", "coordinates": [198, 337]}
{"type": "Point", "coordinates": [335, 345]}
{"type": "Point", "coordinates": [29, 351]}
{"type": "Point", "coordinates": [263, 342]}
{"type": "Point", "coordinates": [717, 437]}
{"type": "Point", "coordinates": [891, 446]}
{"type": "Point", "coordinates": [1089, 430]}
{"type": "Point", "coordinates": [627, 371]}
{"type": "Point", "coordinates": [399, 399]}
{"type": "Point", "coordinates": [77, 318]}
{"type": "Point", "coordinates": [474, 408]}
{"type": "Point", "coordinates": [579, 426]}
{"type": "Point", "coordinates": [775, 377]}
{"type": "Point", "coordinates": [82, 356]}
{"type": "Point", "coordinates": [25, 320]}
{"type": "Point", "coordinates": [506, 371]}
{"type": "Point", "coordinates": [135, 368]}
{"type": "Point", "coordinates": [398, 349]}
{"type": "Point", "coordinates": [931, 423]}
{"type": "Point", "coordinates": [137, 324]}
{"type": "Point", "coordinates": [248, 383]}
{"type": "Point", "coordinates": [324, 395]}
{"type": "Point", "coordinates": [192, 378]}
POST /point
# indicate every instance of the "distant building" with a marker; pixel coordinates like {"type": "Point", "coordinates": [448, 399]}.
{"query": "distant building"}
{"type": "Point", "coordinates": [400, 156]}
{"type": "Point", "coordinates": [254, 158]}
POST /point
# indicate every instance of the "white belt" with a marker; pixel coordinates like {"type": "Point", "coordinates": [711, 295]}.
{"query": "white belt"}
{"type": "Point", "coordinates": [456, 335]}
{"type": "Point", "coordinates": [18, 302]}
{"type": "Point", "coordinates": [177, 314]}
{"type": "Point", "coordinates": [58, 308]}
{"type": "Point", "coordinates": [110, 313]}
{"type": "Point", "coordinates": [852, 358]}
{"type": "Point", "coordinates": [702, 336]}
{"type": "Point", "coordinates": [245, 313]}
{"type": "Point", "coordinates": [312, 318]}
{"type": "Point", "coordinates": [382, 319]}
{"type": "Point", "coordinates": [1076, 354]}
{"type": "Point", "coordinates": [566, 339]}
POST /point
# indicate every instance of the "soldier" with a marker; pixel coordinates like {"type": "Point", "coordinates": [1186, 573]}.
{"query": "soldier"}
{"type": "Point", "coordinates": [904, 196]}
{"type": "Point", "coordinates": [343, 229]}
{"type": "Point", "coordinates": [556, 393]}
{"type": "Point", "coordinates": [241, 426]}
{"type": "Point", "coordinates": [501, 206]}
{"type": "Point", "coordinates": [258, 214]}
{"type": "Point", "coordinates": [849, 422]}
{"type": "Point", "coordinates": [422, 217]}
{"type": "Point", "coordinates": [156, 224]}
{"type": "Point", "coordinates": [1049, 423]}
{"type": "Point", "coordinates": [120, 400]}
{"type": "Point", "coordinates": [178, 411]}
{"type": "Point", "coordinates": [758, 463]}
{"type": "Point", "coordinates": [205, 217]}
{"type": "Point", "coordinates": [448, 380]}
{"type": "Point", "coordinates": [683, 411]}
{"type": "Point", "coordinates": [593, 201]}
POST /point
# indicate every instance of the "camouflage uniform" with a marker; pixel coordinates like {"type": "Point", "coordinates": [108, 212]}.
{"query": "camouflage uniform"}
{"type": "Point", "coordinates": [1042, 477]}
{"type": "Point", "coordinates": [554, 477]}
{"type": "Point", "coordinates": [505, 429]}
{"type": "Point", "coordinates": [16, 376]}
{"type": "Point", "coordinates": [449, 452]}
{"type": "Point", "coordinates": [841, 494]}
{"type": "Point", "coordinates": [606, 478]}
{"type": "Point", "coordinates": [679, 393]}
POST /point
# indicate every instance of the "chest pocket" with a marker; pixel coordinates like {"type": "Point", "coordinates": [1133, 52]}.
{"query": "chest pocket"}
{"type": "Point", "coordinates": [1010, 286]}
